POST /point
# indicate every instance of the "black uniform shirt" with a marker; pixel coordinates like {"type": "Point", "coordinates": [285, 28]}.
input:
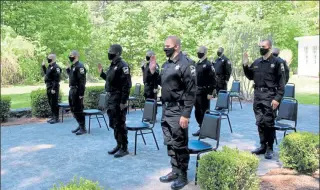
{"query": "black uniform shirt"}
{"type": "Point", "coordinates": [77, 77]}
{"type": "Point", "coordinates": [52, 76]}
{"type": "Point", "coordinates": [267, 73]}
{"type": "Point", "coordinates": [206, 76]}
{"type": "Point", "coordinates": [148, 78]}
{"type": "Point", "coordinates": [286, 69]}
{"type": "Point", "coordinates": [178, 82]}
{"type": "Point", "coordinates": [222, 65]}
{"type": "Point", "coordinates": [118, 79]}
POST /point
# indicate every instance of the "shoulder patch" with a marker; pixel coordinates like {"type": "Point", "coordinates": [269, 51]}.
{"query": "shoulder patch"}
{"type": "Point", "coordinates": [193, 70]}
{"type": "Point", "coordinates": [125, 70]}
{"type": "Point", "coordinates": [81, 70]}
{"type": "Point", "coordinates": [204, 66]}
{"type": "Point", "coordinates": [212, 68]}
{"type": "Point", "coordinates": [282, 67]}
{"type": "Point", "coordinates": [229, 62]}
{"type": "Point", "coordinates": [58, 70]}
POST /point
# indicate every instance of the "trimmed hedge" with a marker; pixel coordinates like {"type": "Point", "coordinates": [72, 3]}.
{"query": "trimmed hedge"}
{"type": "Point", "coordinates": [91, 96]}
{"type": "Point", "coordinates": [229, 169]}
{"type": "Point", "coordinates": [81, 184]}
{"type": "Point", "coordinates": [5, 103]}
{"type": "Point", "coordinates": [300, 151]}
{"type": "Point", "coordinates": [39, 103]}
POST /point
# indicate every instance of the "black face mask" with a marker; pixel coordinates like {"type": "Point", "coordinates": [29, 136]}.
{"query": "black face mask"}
{"type": "Point", "coordinates": [274, 54]}
{"type": "Point", "coordinates": [169, 51]}
{"type": "Point", "coordinates": [71, 59]}
{"type": "Point", "coordinates": [263, 51]}
{"type": "Point", "coordinates": [111, 56]}
{"type": "Point", "coordinates": [219, 53]}
{"type": "Point", "coordinates": [49, 60]}
{"type": "Point", "coordinates": [147, 58]}
{"type": "Point", "coordinates": [200, 55]}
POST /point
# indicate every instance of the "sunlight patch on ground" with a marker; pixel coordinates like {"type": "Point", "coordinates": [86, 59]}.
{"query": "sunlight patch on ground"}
{"type": "Point", "coordinates": [30, 148]}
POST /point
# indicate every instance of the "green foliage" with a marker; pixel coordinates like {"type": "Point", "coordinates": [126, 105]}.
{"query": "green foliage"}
{"type": "Point", "coordinates": [229, 169]}
{"type": "Point", "coordinates": [5, 103]}
{"type": "Point", "coordinates": [81, 184]}
{"type": "Point", "coordinates": [300, 151]}
{"type": "Point", "coordinates": [92, 95]}
{"type": "Point", "coordinates": [137, 104]}
{"type": "Point", "coordinates": [39, 103]}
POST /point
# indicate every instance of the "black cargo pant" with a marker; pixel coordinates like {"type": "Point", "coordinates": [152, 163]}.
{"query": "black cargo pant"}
{"type": "Point", "coordinates": [176, 139]}
{"type": "Point", "coordinates": [53, 102]}
{"type": "Point", "coordinates": [221, 83]}
{"type": "Point", "coordinates": [117, 119]}
{"type": "Point", "coordinates": [202, 104]}
{"type": "Point", "coordinates": [265, 116]}
{"type": "Point", "coordinates": [76, 106]}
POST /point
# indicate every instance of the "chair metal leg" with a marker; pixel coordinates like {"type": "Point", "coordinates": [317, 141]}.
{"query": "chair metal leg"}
{"type": "Point", "coordinates": [229, 122]}
{"type": "Point", "coordinates": [62, 110]}
{"type": "Point", "coordinates": [98, 120]}
{"type": "Point", "coordinates": [231, 103]}
{"type": "Point", "coordinates": [89, 123]}
{"type": "Point", "coordinates": [155, 140]}
{"type": "Point", "coordinates": [285, 133]}
{"type": "Point", "coordinates": [275, 137]}
{"type": "Point", "coordinates": [135, 143]}
{"type": "Point", "coordinates": [196, 178]}
{"type": "Point", "coordinates": [143, 138]}
{"type": "Point", "coordinates": [240, 102]}
{"type": "Point", "coordinates": [105, 122]}
{"type": "Point", "coordinates": [128, 106]}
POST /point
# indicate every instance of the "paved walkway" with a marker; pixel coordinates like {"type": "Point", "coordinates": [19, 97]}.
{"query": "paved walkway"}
{"type": "Point", "coordinates": [36, 156]}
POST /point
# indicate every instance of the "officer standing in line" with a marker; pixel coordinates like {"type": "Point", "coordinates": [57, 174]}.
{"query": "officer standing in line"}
{"type": "Point", "coordinates": [77, 84]}
{"type": "Point", "coordinates": [177, 78]}
{"type": "Point", "coordinates": [222, 65]}
{"type": "Point", "coordinates": [187, 56]}
{"type": "Point", "coordinates": [118, 84]}
{"type": "Point", "coordinates": [267, 72]}
{"type": "Point", "coordinates": [275, 52]}
{"type": "Point", "coordinates": [206, 84]}
{"type": "Point", "coordinates": [149, 78]}
{"type": "Point", "coordinates": [52, 80]}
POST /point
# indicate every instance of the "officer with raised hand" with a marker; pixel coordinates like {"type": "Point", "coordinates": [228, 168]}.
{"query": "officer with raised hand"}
{"type": "Point", "coordinates": [150, 78]}
{"type": "Point", "coordinates": [222, 66]}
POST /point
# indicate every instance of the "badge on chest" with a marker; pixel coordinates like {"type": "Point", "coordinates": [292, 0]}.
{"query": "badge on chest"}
{"type": "Point", "coordinates": [272, 65]}
{"type": "Point", "coordinates": [115, 68]}
{"type": "Point", "coordinates": [177, 67]}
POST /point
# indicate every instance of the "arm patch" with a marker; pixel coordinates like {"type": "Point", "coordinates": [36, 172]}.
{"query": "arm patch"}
{"type": "Point", "coordinates": [58, 70]}
{"type": "Point", "coordinates": [81, 70]}
{"type": "Point", "coordinates": [193, 70]}
{"type": "Point", "coordinates": [125, 70]}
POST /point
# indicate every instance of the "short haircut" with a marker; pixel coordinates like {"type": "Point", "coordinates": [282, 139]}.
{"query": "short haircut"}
{"type": "Point", "coordinates": [53, 56]}
{"type": "Point", "coordinates": [269, 41]}
{"type": "Point", "coordinates": [75, 53]}
{"type": "Point", "coordinates": [175, 39]}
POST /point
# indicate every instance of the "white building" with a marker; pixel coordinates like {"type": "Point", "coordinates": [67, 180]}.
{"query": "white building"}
{"type": "Point", "coordinates": [308, 55]}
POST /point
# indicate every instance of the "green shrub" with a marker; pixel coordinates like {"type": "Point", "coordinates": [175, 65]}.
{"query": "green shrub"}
{"type": "Point", "coordinates": [5, 103]}
{"type": "Point", "coordinates": [39, 103]}
{"type": "Point", "coordinates": [82, 184]}
{"type": "Point", "coordinates": [91, 96]}
{"type": "Point", "coordinates": [300, 151]}
{"type": "Point", "coordinates": [136, 104]}
{"type": "Point", "coordinates": [228, 169]}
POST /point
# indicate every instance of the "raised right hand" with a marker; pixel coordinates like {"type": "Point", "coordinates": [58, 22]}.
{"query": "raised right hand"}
{"type": "Point", "coordinates": [43, 62]}
{"type": "Point", "coordinates": [99, 67]}
{"type": "Point", "coordinates": [245, 59]}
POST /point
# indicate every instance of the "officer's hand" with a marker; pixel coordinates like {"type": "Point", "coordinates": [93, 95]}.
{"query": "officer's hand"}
{"type": "Point", "coordinates": [43, 63]}
{"type": "Point", "coordinates": [99, 68]}
{"type": "Point", "coordinates": [53, 91]}
{"type": "Point", "coordinates": [245, 59]}
{"type": "Point", "coordinates": [184, 122]}
{"type": "Point", "coordinates": [153, 64]}
{"type": "Point", "coordinates": [143, 63]}
{"type": "Point", "coordinates": [274, 104]}
{"type": "Point", "coordinates": [155, 90]}
{"type": "Point", "coordinates": [122, 106]}
{"type": "Point", "coordinates": [214, 93]}
{"type": "Point", "coordinates": [209, 97]}
{"type": "Point", "coordinates": [80, 97]}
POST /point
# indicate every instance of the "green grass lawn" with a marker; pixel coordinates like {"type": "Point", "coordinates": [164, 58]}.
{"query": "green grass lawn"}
{"type": "Point", "coordinates": [312, 99]}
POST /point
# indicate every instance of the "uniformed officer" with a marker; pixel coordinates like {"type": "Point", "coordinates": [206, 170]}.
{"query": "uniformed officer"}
{"type": "Point", "coordinates": [267, 74]}
{"type": "Point", "coordinates": [118, 84]}
{"type": "Point", "coordinates": [52, 80]}
{"type": "Point", "coordinates": [222, 65]}
{"type": "Point", "coordinates": [187, 56]}
{"type": "Point", "coordinates": [275, 52]}
{"type": "Point", "coordinates": [77, 84]}
{"type": "Point", "coordinates": [177, 79]}
{"type": "Point", "coordinates": [149, 78]}
{"type": "Point", "coordinates": [206, 84]}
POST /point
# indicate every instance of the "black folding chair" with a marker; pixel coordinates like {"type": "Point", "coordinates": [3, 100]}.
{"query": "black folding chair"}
{"type": "Point", "coordinates": [99, 113]}
{"type": "Point", "coordinates": [63, 107]}
{"type": "Point", "coordinates": [222, 105]}
{"type": "Point", "coordinates": [147, 123]}
{"type": "Point", "coordinates": [287, 116]}
{"type": "Point", "coordinates": [210, 128]}
{"type": "Point", "coordinates": [235, 91]}
{"type": "Point", "coordinates": [136, 97]}
{"type": "Point", "coordinates": [289, 90]}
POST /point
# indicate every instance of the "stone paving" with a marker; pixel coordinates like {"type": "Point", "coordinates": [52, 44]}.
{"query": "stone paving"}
{"type": "Point", "coordinates": [36, 156]}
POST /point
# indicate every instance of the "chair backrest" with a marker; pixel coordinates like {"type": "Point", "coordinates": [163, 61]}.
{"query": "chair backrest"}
{"type": "Point", "coordinates": [149, 112]}
{"type": "Point", "coordinates": [289, 90]}
{"type": "Point", "coordinates": [288, 110]}
{"type": "Point", "coordinates": [235, 86]}
{"type": "Point", "coordinates": [223, 100]}
{"type": "Point", "coordinates": [210, 127]}
{"type": "Point", "coordinates": [137, 89]}
{"type": "Point", "coordinates": [102, 102]}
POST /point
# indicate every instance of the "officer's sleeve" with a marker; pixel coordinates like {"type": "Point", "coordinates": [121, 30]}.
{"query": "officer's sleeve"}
{"type": "Point", "coordinates": [103, 75]}
{"type": "Point", "coordinates": [159, 77]}
{"type": "Point", "coordinates": [82, 80]}
{"type": "Point", "coordinates": [287, 71]}
{"type": "Point", "coordinates": [189, 96]}
{"type": "Point", "coordinates": [248, 71]}
{"type": "Point", "coordinates": [156, 76]}
{"type": "Point", "coordinates": [126, 84]}
{"type": "Point", "coordinates": [228, 69]}
{"type": "Point", "coordinates": [44, 69]}
{"type": "Point", "coordinates": [56, 78]}
{"type": "Point", "coordinates": [68, 70]}
{"type": "Point", "coordinates": [280, 81]}
{"type": "Point", "coordinates": [212, 80]}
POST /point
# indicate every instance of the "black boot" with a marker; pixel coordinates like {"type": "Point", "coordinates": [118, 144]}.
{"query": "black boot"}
{"type": "Point", "coordinates": [269, 153]}
{"type": "Point", "coordinates": [82, 130]}
{"type": "Point", "coordinates": [49, 119]}
{"type": "Point", "coordinates": [54, 120]}
{"type": "Point", "coordinates": [122, 152]}
{"type": "Point", "coordinates": [76, 129]}
{"type": "Point", "coordinates": [180, 182]}
{"type": "Point", "coordinates": [169, 177]}
{"type": "Point", "coordinates": [196, 133]}
{"type": "Point", "coordinates": [260, 150]}
{"type": "Point", "coordinates": [114, 150]}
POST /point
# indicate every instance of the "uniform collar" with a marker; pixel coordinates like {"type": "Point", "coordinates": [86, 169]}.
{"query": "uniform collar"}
{"type": "Point", "coordinates": [203, 61]}
{"type": "Point", "coordinates": [116, 61]}
{"type": "Point", "coordinates": [177, 57]}
{"type": "Point", "coordinates": [53, 64]}
{"type": "Point", "coordinates": [76, 63]}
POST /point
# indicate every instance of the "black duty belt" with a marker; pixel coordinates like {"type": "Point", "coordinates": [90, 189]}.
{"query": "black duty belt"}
{"type": "Point", "coordinates": [173, 104]}
{"type": "Point", "coordinates": [201, 87]}
{"type": "Point", "coordinates": [265, 89]}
